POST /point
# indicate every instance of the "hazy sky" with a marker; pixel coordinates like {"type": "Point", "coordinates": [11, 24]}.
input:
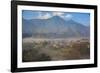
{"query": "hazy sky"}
{"type": "Point", "coordinates": [83, 18]}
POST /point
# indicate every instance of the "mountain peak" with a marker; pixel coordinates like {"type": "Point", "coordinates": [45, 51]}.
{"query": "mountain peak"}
{"type": "Point", "coordinates": [55, 26]}
{"type": "Point", "coordinates": [56, 16]}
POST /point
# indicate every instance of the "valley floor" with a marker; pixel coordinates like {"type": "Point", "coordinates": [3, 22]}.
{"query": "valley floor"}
{"type": "Point", "coordinates": [37, 49]}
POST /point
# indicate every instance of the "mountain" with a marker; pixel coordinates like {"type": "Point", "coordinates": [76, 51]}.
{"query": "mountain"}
{"type": "Point", "coordinates": [54, 27]}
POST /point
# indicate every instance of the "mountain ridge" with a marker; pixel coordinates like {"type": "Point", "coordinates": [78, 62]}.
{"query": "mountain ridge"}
{"type": "Point", "coordinates": [54, 27]}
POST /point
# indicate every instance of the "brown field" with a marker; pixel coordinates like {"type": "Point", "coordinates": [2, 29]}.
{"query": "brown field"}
{"type": "Point", "coordinates": [55, 49]}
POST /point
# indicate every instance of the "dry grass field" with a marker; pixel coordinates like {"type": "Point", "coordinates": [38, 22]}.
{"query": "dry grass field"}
{"type": "Point", "coordinates": [55, 49]}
